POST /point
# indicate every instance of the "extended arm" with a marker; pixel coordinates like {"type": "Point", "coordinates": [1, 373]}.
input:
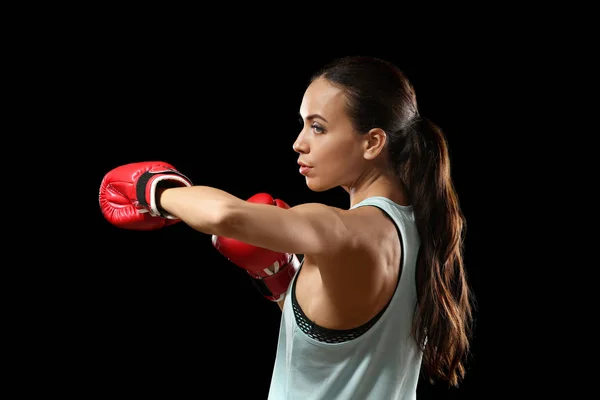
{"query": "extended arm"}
{"type": "Point", "coordinates": [304, 229]}
{"type": "Point", "coordinates": [252, 233]}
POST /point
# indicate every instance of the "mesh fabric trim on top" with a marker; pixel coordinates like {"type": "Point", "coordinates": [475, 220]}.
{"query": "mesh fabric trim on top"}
{"type": "Point", "coordinates": [327, 335]}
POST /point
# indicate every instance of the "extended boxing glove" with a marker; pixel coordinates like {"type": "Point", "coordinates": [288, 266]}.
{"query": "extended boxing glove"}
{"type": "Point", "coordinates": [128, 195]}
{"type": "Point", "coordinates": [271, 271]}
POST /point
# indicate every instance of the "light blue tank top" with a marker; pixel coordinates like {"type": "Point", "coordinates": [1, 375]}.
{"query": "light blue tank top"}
{"type": "Point", "coordinates": [381, 364]}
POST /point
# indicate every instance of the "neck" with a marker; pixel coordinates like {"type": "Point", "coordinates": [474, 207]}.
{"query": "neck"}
{"type": "Point", "coordinates": [377, 183]}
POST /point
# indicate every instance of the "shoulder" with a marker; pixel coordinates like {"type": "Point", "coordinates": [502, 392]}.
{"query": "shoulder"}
{"type": "Point", "coordinates": [348, 284]}
{"type": "Point", "coordinates": [348, 231]}
{"type": "Point", "coordinates": [353, 220]}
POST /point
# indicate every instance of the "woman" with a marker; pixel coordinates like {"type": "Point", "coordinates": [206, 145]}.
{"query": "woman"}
{"type": "Point", "coordinates": [381, 293]}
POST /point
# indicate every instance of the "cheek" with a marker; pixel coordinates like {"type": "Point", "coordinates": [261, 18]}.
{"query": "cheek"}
{"type": "Point", "coordinates": [348, 152]}
{"type": "Point", "coordinates": [340, 150]}
{"type": "Point", "coordinates": [343, 159]}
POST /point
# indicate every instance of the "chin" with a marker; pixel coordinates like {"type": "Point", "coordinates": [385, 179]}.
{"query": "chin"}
{"type": "Point", "coordinates": [316, 187]}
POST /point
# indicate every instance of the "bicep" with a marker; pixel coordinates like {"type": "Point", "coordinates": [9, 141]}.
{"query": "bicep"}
{"type": "Point", "coordinates": [304, 229]}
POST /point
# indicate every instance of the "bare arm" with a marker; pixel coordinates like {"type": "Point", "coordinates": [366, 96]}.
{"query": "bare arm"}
{"type": "Point", "coordinates": [305, 229]}
{"type": "Point", "coordinates": [280, 303]}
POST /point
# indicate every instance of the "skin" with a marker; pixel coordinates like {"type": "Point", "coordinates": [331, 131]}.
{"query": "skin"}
{"type": "Point", "coordinates": [351, 257]}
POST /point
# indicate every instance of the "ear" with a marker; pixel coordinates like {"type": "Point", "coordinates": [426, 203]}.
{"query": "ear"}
{"type": "Point", "coordinates": [374, 143]}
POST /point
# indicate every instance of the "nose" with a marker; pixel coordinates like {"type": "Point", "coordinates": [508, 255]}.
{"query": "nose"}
{"type": "Point", "coordinates": [300, 145]}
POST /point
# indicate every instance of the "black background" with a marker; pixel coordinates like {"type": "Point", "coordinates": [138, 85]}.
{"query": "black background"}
{"type": "Point", "coordinates": [162, 313]}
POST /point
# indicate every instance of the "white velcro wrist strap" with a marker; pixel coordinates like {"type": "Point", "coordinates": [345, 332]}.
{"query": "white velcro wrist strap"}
{"type": "Point", "coordinates": [154, 211]}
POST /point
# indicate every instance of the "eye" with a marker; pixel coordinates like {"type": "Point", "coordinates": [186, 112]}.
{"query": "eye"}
{"type": "Point", "coordinates": [317, 128]}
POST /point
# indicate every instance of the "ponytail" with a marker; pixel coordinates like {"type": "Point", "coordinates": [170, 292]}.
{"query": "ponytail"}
{"type": "Point", "coordinates": [444, 314]}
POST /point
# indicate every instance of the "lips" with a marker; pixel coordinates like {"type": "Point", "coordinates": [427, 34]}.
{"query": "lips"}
{"type": "Point", "coordinates": [304, 168]}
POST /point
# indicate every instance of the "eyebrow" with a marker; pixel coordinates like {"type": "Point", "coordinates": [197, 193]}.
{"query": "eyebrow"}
{"type": "Point", "coordinates": [313, 116]}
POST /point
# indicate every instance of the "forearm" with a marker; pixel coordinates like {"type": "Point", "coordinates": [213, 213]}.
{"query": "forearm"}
{"type": "Point", "coordinates": [203, 208]}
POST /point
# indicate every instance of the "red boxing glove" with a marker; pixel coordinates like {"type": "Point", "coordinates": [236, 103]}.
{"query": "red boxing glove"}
{"type": "Point", "coordinates": [128, 195]}
{"type": "Point", "coordinates": [271, 271]}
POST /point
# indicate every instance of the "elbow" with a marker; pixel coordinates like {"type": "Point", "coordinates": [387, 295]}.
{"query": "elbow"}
{"type": "Point", "coordinates": [222, 220]}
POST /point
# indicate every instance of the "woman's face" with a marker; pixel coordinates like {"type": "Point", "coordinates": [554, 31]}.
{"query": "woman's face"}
{"type": "Point", "coordinates": [327, 143]}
